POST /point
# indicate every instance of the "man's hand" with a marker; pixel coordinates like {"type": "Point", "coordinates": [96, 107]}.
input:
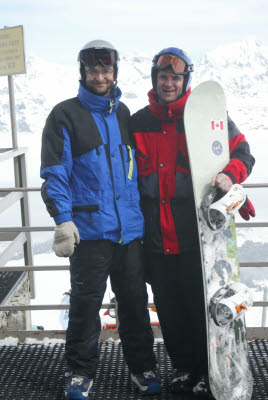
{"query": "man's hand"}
{"type": "Point", "coordinates": [65, 238]}
{"type": "Point", "coordinates": [223, 182]}
{"type": "Point", "coordinates": [247, 210]}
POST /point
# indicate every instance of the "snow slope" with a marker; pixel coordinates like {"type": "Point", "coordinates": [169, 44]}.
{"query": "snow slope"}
{"type": "Point", "coordinates": [241, 68]}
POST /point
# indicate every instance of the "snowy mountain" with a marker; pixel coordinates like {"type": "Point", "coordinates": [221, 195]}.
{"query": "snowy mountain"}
{"type": "Point", "coordinates": [242, 66]}
{"type": "Point", "coordinates": [36, 92]}
{"type": "Point", "coordinates": [242, 70]}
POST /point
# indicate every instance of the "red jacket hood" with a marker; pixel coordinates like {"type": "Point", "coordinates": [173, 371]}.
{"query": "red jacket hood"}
{"type": "Point", "coordinates": [167, 111]}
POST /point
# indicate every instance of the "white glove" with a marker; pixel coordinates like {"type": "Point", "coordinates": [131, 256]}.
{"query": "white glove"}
{"type": "Point", "coordinates": [65, 238]}
{"type": "Point", "coordinates": [223, 182]}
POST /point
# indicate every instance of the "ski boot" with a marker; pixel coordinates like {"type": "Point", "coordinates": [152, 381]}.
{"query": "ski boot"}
{"type": "Point", "coordinates": [182, 382]}
{"type": "Point", "coordinates": [148, 382]}
{"type": "Point", "coordinates": [78, 388]}
{"type": "Point", "coordinates": [202, 388]}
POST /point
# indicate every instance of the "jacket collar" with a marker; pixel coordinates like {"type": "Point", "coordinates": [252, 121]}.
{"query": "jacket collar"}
{"type": "Point", "coordinates": [169, 111]}
{"type": "Point", "coordinates": [93, 102]}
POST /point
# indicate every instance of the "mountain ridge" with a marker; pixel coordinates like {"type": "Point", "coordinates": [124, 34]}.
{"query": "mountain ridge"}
{"type": "Point", "coordinates": [241, 68]}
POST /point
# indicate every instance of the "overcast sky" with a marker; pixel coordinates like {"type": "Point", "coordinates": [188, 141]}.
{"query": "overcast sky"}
{"type": "Point", "coordinates": [56, 30]}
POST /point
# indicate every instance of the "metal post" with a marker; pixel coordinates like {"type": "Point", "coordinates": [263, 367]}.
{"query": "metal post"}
{"type": "Point", "coordinates": [116, 315]}
{"type": "Point", "coordinates": [264, 310]}
{"type": "Point", "coordinates": [13, 125]}
{"type": "Point", "coordinates": [12, 111]}
{"type": "Point", "coordinates": [21, 181]}
{"type": "Point", "coordinates": [25, 219]}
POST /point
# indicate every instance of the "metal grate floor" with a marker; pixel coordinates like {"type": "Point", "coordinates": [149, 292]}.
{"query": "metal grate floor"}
{"type": "Point", "coordinates": [37, 372]}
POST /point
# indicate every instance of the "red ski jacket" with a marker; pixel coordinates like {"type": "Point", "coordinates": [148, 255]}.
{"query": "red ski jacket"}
{"type": "Point", "coordinates": [165, 183]}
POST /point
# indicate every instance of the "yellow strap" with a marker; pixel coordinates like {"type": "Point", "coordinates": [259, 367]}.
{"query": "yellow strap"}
{"type": "Point", "coordinates": [121, 238]}
{"type": "Point", "coordinates": [130, 169]}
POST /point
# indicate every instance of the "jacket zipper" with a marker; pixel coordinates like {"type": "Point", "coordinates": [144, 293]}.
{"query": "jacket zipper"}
{"type": "Point", "coordinates": [143, 156]}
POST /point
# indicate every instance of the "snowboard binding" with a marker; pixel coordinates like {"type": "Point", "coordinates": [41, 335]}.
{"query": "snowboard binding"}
{"type": "Point", "coordinates": [229, 303]}
{"type": "Point", "coordinates": [218, 209]}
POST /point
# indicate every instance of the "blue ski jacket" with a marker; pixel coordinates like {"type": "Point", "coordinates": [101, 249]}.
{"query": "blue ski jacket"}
{"type": "Point", "coordinates": [88, 163]}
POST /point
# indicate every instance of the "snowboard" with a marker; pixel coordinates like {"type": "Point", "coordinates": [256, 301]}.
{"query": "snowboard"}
{"type": "Point", "coordinates": [206, 127]}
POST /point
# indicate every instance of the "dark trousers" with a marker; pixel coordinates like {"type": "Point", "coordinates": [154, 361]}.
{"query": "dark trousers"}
{"type": "Point", "coordinates": [177, 286]}
{"type": "Point", "coordinates": [90, 266]}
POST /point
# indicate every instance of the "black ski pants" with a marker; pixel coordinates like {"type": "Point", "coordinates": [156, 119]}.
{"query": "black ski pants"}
{"type": "Point", "coordinates": [177, 286]}
{"type": "Point", "coordinates": [90, 266]}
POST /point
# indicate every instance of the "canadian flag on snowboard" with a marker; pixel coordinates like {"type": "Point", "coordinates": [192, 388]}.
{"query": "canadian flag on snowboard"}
{"type": "Point", "coordinates": [217, 125]}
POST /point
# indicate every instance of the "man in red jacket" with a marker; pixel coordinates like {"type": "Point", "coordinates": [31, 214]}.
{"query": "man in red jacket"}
{"type": "Point", "coordinates": [167, 200]}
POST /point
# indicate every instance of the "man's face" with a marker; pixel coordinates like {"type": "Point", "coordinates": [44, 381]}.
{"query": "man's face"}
{"type": "Point", "coordinates": [99, 79]}
{"type": "Point", "coordinates": [169, 86]}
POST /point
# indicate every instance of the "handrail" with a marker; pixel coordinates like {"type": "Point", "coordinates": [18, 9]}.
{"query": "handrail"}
{"type": "Point", "coordinates": [35, 307]}
{"type": "Point", "coordinates": [9, 153]}
{"type": "Point", "coordinates": [8, 198]}
{"type": "Point", "coordinates": [262, 264]}
{"type": "Point", "coordinates": [20, 189]}
{"type": "Point", "coordinates": [251, 224]}
{"type": "Point", "coordinates": [52, 228]}
{"type": "Point", "coordinates": [31, 268]}
{"type": "Point", "coordinates": [27, 229]}
{"type": "Point", "coordinates": [36, 189]}
{"type": "Point", "coordinates": [254, 185]}
{"type": "Point", "coordinates": [27, 268]}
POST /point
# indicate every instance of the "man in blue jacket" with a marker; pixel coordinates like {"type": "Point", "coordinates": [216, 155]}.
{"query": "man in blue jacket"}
{"type": "Point", "coordinates": [90, 189]}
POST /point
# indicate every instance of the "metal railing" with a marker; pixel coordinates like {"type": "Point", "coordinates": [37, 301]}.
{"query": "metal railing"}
{"type": "Point", "coordinates": [21, 236]}
{"type": "Point", "coordinates": [18, 235]}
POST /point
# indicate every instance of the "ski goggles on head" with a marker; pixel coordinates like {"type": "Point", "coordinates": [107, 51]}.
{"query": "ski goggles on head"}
{"type": "Point", "coordinates": [91, 57]}
{"type": "Point", "coordinates": [176, 63]}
